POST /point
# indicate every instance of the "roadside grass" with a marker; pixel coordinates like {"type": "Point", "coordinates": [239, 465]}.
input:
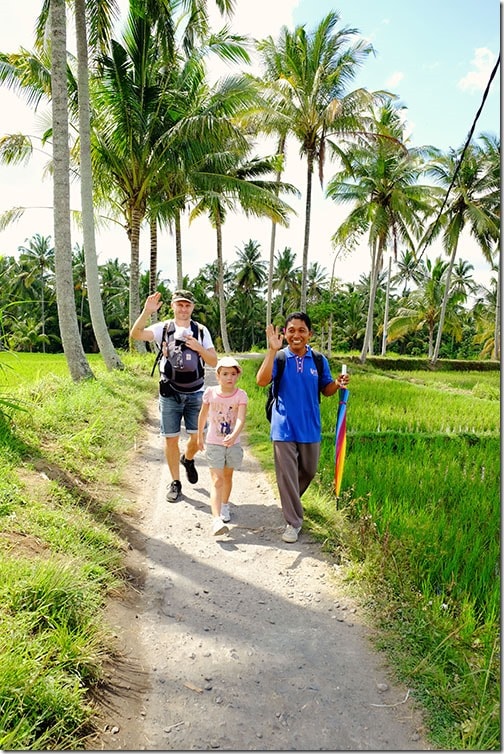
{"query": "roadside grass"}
{"type": "Point", "coordinates": [62, 551]}
{"type": "Point", "coordinates": [417, 528]}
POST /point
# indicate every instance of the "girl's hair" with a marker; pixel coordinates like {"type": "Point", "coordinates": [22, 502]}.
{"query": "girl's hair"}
{"type": "Point", "coordinates": [299, 315]}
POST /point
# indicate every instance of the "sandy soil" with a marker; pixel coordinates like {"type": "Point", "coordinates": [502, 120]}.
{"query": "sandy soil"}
{"type": "Point", "coordinates": [239, 642]}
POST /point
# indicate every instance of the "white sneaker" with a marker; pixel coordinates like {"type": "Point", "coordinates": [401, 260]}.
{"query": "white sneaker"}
{"type": "Point", "coordinates": [219, 527]}
{"type": "Point", "coordinates": [291, 533]}
{"type": "Point", "coordinates": [225, 513]}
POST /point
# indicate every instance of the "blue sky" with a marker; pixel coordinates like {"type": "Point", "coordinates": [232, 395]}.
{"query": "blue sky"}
{"type": "Point", "coordinates": [427, 53]}
{"type": "Point", "coordinates": [437, 56]}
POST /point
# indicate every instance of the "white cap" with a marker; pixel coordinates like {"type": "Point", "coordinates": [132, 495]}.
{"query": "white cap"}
{"type": "Point", "coordinates": [228, 361]}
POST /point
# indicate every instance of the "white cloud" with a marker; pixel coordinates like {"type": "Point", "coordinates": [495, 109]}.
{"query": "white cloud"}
{"type": "Point", "coordinates": [477, 78]}
{"type": "Point", "coordinates": [394, 79]}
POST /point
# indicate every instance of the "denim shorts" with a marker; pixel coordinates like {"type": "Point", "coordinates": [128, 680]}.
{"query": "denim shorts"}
{"type": "Point", "coordinates": [173, 410]}
{"type": "Point", "coordinates": [218, 456]}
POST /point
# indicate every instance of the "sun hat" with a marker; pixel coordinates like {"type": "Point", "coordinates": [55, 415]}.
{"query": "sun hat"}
{"type": "Point", "coordinates": [228, 361]}
{"type": "Point", "coordinates": [183, 296]}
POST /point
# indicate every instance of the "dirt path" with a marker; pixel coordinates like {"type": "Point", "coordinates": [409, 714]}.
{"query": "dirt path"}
{"type": "Point", "coordinates": [240, 642]}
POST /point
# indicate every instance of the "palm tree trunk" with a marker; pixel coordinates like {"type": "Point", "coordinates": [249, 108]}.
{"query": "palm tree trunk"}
{"type": "Point", "coordinates": [42, 310]}
{"type": "Point", "coordinates": [367, 346]}
{"type": "Point", "coordinates": [497, 333]}
{"type": "Point", "coordinates": [153, 259]}
{"type": "Point", "coordinates": [107, 350]}
{"type": "Point", "coordinates": [178, 250]}
{"type": "Point", "coordinates": [281, 150]}
{"type": "Point", "coordinates": [222, 301]}
{"type": "Point", "coordinates": [386, 314]}
{"type": "Point", "coordinates": [270, 272]}
{"type": "Point", "coordinates": [442, 314]}
{"type": "Point", "coordinates": [65, 295]}
{"type": "Point", "coordinates": [134, 292]}
{"type": "Point", "coordinates": [306, 240]}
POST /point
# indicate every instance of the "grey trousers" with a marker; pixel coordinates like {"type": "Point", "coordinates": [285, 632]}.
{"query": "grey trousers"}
{"type": "Point", "coordinates": [295, 465]}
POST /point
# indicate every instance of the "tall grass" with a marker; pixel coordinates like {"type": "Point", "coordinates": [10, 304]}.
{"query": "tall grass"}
{"type": "Point", "coordinates": [417, 526]}
{"type": "Point", "coordinates": [62, 552]}
{"type": "Point", "coordinates": [420, 494]}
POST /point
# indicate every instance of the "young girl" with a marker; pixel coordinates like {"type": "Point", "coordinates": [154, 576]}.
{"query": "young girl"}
{"type": "Point", "coordinates": [224, 406]}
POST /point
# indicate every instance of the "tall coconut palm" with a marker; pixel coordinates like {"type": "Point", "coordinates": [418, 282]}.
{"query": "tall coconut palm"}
{"type": "Point", "coordinates": [99, 324]}
{"type": "Point", "coordinates": [31, 72]}
{"type": "Point", "coordinates": [310, 99]}
{"type": "Point", "coordinates": [72, 346]}
{"type": "Point", "coordinates": [423, 307]}
{"type": "Point", "coordinates": [228, 179]}
{"type": "Point", "coordinates": [471, 204]}
{"type": "Point", "coordinates": [409, 269]}
{"type": "Point", "coordinates": [284, 275]}
{"type": "Point", "coordinates": [249, 267]}
{"type": "Point", "coordinates": [154, 120]}
{"type": "Point", "coordinates": [39, 256]}
{"type": "Point", "coordinates": [380, 179]}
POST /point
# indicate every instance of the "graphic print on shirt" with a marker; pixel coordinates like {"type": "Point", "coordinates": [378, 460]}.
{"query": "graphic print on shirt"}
{"type": "Point", "coordinates": [224, 419]}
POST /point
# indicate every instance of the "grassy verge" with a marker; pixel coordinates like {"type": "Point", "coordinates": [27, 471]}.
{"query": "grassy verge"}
{"type": "Point", "coordinates": [417, 527]}
{"type": "Point", "coordinates": [61, 550]}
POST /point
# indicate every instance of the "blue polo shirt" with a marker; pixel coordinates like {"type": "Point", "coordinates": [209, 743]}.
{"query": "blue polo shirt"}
{"type": "Point", "coordinates": [297, 417]}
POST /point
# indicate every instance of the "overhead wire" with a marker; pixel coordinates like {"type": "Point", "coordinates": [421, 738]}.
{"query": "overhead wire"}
{"type": "Point", "coordinates": [468, 141]}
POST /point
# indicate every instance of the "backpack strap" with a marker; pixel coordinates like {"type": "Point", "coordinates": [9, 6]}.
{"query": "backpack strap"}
{"type": "Point", "coordinates": [280, 359]}
{"type": "Point", "coordinates": [197, 331]}
{"type": "Point", "coordinates": [319, 363]}
{"type": "Point", "coordinates": [169, 327]}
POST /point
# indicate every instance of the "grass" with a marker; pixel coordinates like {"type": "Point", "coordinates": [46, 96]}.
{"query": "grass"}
{"type": "Point", "coordinates": [62, 549]}
{"type": "Point", "coordinates": [416, 528]}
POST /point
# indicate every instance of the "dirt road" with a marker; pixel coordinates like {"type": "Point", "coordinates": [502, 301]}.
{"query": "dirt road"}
{"type": "Point", "coordinates": [240, 642]}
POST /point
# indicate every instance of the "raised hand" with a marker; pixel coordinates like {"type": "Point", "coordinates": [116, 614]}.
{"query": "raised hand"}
{"type": "Point", "coordinates": [274, 337]}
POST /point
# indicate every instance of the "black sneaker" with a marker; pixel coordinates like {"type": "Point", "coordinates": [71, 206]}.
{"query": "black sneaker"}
{"type": "Point", "coordinates": [192, 474]}
{"type": "Point", "coordinates": [174, 491]}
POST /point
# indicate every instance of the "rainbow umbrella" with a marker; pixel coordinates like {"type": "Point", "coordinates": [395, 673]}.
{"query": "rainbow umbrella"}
{"type": "Point", "coordinates": [340, 439]}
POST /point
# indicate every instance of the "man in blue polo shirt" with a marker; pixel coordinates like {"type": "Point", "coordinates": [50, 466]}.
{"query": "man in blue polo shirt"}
{"type": "Point", "coordinates": [295, 420]}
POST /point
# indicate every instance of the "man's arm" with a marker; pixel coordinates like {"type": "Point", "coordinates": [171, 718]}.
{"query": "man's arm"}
{"type": "Point", "coordinates": [152, 305]}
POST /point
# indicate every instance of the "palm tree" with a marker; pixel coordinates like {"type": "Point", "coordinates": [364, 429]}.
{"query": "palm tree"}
{"type": "Point", "coordinates": [309, 97]}
{"type": "Point", "coordinates": [484, 316]}
{"type": "Point", "coordinates": [156, 122]}
{"type": "Point", "coordinates": [250, 269]}
{"type": "Point", "coordinates": [31, 74]}
{"type": "Point", "coordinates": [472, 205]}
{"type": "Point", "coordinates": [380, 179]}
{"type": "Point", "coordinates": [284, 276]}
{"type": "Point", "coordinates": [316, 282]}
{"type": "Point", "coordinates": [423, 307]}
{"type": "Point", "coordinates": [72, 346]}
{"type": "Point", "coordinates": [226, 179]}
{"type": "Point", "coordinates": [100, 330]}
{"type": "Point", "coordinates": [38, 256]}
{"type": "Point", "coordinates": [409, 269]}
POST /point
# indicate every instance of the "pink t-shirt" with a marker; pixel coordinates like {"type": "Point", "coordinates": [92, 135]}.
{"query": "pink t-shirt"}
{"type": "Point", "coordinates": [222, 413]}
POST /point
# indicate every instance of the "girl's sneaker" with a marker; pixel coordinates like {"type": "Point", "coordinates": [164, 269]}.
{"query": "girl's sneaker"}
{"type": "Point", "coordinates": [219, 527]}
{"type": "Point", "coordinates": [225, 513]}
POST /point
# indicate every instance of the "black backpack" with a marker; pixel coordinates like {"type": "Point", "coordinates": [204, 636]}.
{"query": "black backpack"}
{"type": "Point", "coordinates": [184, 369]}
{"type": "Point", "coordinates": [274, 385]}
